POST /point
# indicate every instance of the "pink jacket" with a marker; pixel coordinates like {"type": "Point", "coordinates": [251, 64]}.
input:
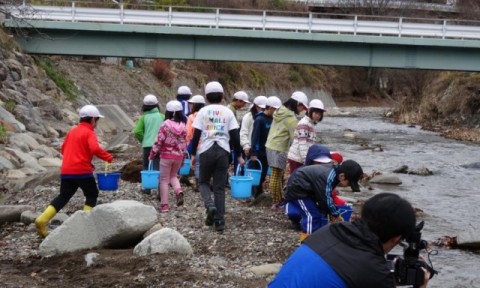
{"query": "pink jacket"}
{"type": "Point", "coordinates": [170, 143]}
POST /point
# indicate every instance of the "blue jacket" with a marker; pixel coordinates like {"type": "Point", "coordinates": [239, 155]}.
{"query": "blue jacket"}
{"type": "Point", "coordinates": [261, 127]}
{"type": "Point", "coordinates": [338, 255]}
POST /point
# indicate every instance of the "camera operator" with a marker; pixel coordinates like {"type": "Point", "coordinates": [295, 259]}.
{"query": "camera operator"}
{"type": "Point", "coordinates": [352, 254]}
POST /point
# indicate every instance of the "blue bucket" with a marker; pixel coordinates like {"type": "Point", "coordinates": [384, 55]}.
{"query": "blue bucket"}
{"type": "Point", "coordinates": [150, 177]}
{"type": "Point", "coordinates": [185, 169]}
{"type": "Point", "coordinates": [241, 186]}
{"type": "Point", "coordinates": [108, 181]}
{"type": "Point", "coordinates": [255, 173]}
{"type": "Point", "coordinates": [346, 212]}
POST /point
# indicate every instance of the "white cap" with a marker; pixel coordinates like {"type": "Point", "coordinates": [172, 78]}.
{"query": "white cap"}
{"type": "Point", "coordinates": [150, 100]}
{"type": "Point", "coordinates": [174, 105]}
{"type": "Point", "coordinates": [184, 90]}
{"type": "Point", "coordinates": [260, 101]}
{"type": "Point", "coordinates": [301, 98]}
{"type": "Point", "coordinates": [322, 159]}
{"type": "Point", "coordinates": [89, 111]}
{"type": "Point", "coordinates": [213, 87]}
{"type": "Point", "coordinates": [274, 101]}
{"type": "Point", "coordinates": [197, 99]}
{"type": "Point", "coordinates": [242, 96]}
{"type": "Point", "coordinates": [316, 103]}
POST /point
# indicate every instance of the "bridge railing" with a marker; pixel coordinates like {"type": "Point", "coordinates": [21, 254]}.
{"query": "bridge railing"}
{"type": "Point", "coordinates": [255, 20]}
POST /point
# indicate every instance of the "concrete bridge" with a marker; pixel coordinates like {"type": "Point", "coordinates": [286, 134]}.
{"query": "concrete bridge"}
{"type": "Point", "coordinates": [248, 36]}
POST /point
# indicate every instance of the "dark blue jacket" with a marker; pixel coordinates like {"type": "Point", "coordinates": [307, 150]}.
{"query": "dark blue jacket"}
{"type": "Point", "coordinates": [261, 127]}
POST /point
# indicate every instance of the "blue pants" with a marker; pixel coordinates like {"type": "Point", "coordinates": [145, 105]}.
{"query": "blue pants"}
{"type": "Point", "coordinates": [307, 213]}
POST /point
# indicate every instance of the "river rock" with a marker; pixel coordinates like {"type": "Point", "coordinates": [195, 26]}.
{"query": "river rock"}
{"type": "Point", "coordinates": [15, 174]}
{"type": "Point", "coordinates": [386, 179]}
{"type": "Point", "coordinates": [26, 140]}
{"type": "Point", "coordinates": [469, 238]}
{"type": "Point", "coordinates": [165, 240]}
{"type": "Point", "coordinates": [5, 163]}
{"type": "Point", "coordinates": [474, 165]}
{"type": "Point", "coordinates": [12, 213]}
{"type": "Point", "coordinates": [9, 121]}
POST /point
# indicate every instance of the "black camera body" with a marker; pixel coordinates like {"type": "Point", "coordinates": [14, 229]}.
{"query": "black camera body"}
{"type": "Point", "coordinates": [408, 269]}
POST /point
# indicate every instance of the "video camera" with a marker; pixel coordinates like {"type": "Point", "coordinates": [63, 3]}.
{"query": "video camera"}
{"type": "Point", "coordinates": [408, 269]}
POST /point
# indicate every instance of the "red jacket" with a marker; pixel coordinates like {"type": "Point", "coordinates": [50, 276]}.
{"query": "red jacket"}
{"type": "Point", "coordinates": [78, 149]}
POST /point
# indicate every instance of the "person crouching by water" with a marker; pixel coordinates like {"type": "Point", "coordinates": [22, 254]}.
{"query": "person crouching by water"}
{"type": "Point", "coordinates": [309, 190]}
{"type": "Point", "coordinates": [78, 149]}
{"type": "Point", "coordinates": [171, 145]}
{"type": "Point", "coordinates": [352, 254]}
{"type": "Point", "coordinates": [215, 125]}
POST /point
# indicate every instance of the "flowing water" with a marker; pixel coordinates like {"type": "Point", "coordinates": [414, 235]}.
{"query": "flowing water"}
{"type": "Point", "coordinates": [449, 197]}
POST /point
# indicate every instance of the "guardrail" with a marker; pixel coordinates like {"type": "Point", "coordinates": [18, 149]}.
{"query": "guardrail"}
{"type": "Point", "coordinates": [215, 18]}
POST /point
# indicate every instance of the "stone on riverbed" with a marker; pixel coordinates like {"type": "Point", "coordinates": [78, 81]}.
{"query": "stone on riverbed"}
{"type": "Point", "coordinates": [469, 238]}
{"type": "Point", "coordinates": [386, 179]}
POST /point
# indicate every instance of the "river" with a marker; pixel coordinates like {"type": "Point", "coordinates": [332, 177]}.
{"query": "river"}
{"type": "Point", "coordinates": [449, 197]}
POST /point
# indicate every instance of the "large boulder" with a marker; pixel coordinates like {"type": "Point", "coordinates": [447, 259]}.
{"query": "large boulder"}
{"type": "Point", "coordinates": [114, 225]}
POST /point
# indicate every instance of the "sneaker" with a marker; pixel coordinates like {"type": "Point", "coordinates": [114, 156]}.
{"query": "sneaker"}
{"type": "Point", "coordinates": [210, 214]}
{"type": "Point", "coordinates": [179, 199]}
{"type": "Point", "coordinates": [164, 208]}
{"type": "Point", "coordinates": [220, 225]}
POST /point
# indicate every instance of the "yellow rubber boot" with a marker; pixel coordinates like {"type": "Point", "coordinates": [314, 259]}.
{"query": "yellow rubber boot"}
{"type": "Point", "coordinates": [42, 221]}
{"type": "Point", "coordinates": [303, 236]}
{"type": "Point", "coordinates": [87, 208]}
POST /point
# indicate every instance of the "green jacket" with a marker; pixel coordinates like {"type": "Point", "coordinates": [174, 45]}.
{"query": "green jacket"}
{"type": "Point", "coordinates": [146, 128]}
{"type": "Point", "coordinates": [282, 130]}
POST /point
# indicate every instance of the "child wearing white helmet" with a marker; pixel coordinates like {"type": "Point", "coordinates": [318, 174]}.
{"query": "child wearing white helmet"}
{"type": "Point", "coordinates": [261, 128]}
{"type": "Point", "coordinates": [183, 94]}
{"type": "Point", "coordinates": [171, 146]}
{"type": "Point", "coordinates": [305, 134]}
{"type": "Point", "coordinates": [240, 99]}
{"type": "Point", "coordinates": [78, 149]}
{"type": "Point", "coordinates": [146, 130]}
{"type": "Point", "coordinates": [215, 128]}
{"type": "Point", "coordinates": [196, 103]}
{"type": "Point", "coordinates": [259, 104]}
{"type": "Point", "coordinates": [279, 140]}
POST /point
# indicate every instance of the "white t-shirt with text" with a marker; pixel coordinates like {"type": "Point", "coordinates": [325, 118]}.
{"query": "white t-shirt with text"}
{"type": "Point", "coordinates": [215, 121]}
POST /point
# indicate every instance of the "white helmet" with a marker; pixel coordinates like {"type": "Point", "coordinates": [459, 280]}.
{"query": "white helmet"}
{"type": "Point", "coordinates": [150, 100]}
{"type": "Point", "coordinates": [89, 111]}
{"type": "Point", "coordinates": [174, 106]}
{"type": "Point", "coordinates": [301, 98]}
{"type": "Point", "coordinates": [260, 101]}
{"type": "Point", "coordinates": [242, 96]}
{"type": "Point", "coordinates": [274, 101]}
{"type": "Point", "coordinates": [184, 90]}
{"type": "Point", "coordinates": [317, 103]}
{"type": "Point", "coordinates": [197, 99]}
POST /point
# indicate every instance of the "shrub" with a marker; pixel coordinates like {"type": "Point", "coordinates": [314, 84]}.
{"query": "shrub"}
{"type": "Point", "coordinates": [161, 70]}
{"type": "Point", "coordinates": [3, 134]}
{"type": "Point", "coordinates": [66, 85]}
{"type": "Point", "coordinates": [10, 105]}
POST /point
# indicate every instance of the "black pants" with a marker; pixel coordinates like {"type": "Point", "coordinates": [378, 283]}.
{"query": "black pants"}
{"type": "Point", "coordinates": [214, 165]}
{"type": "Point", "coordinates": [69, 186]}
